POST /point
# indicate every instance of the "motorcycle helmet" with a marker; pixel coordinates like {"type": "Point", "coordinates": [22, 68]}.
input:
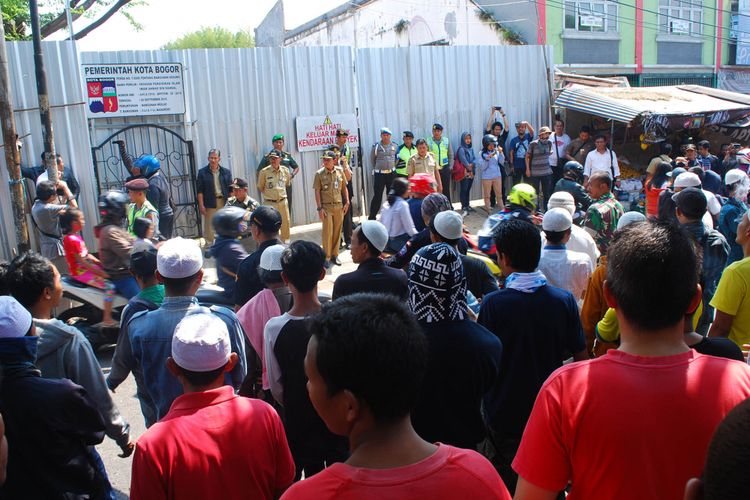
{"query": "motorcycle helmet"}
{"type": "Point", "coordinates": [574, 167]}
{"type": "Point", "coordinates": [523, 195]}
{"type": "Point", "coordinates": [112, 205]}
{"type": "Point", "coordinates": [422, 184]}
{"type": "Point", "coordinates": [148, 164]}
{"type": "Point", "coordinates": [230, 222]}
{"type": "Point", "coordinates": [488, 139]}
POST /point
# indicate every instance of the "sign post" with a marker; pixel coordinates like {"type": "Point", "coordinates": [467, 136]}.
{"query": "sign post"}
{"type": "Point", "coordinates": [139, 89]}
{"type": "Point", "coordinates": [319, 132]}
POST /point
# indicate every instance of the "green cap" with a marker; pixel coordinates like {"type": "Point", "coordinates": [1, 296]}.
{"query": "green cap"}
{"type": "Point", "coordinates": [278, 137]}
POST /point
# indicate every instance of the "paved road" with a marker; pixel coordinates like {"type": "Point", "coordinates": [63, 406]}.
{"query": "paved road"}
{"type": "Point", "coordinates": [119, 468]}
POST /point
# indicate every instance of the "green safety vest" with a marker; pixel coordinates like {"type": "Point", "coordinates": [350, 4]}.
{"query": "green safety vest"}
{"type": "Point", "coordinates": [440, 150]}
{"type": "Point", "coordinates": [134, 212]}
{"type": "Point", "coordinates": [404, 154]}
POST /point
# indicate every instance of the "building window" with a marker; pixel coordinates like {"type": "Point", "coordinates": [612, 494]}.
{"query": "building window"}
{"type": "Point", "coordinates": [592, 17]}
{"type": "Point", "coordinates": [681, 17]}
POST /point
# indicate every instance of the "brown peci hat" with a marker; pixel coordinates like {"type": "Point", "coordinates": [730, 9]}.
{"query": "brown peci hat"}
{"type": "Point", "coordinates": [139, 184]}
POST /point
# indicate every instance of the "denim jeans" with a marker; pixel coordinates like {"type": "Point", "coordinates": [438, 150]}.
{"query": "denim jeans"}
{"type": "Point", "coordinates": [396, 243]}
{"type": "Point", "coordinates": [466, 184]}
{"type": "Point", "coordinates": [542, 184]}
{"type": "Point", "coordinates": [127, 287]}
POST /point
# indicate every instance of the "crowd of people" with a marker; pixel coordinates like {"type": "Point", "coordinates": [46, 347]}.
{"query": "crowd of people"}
{"type": "Point", "coordinates": [425, 375]}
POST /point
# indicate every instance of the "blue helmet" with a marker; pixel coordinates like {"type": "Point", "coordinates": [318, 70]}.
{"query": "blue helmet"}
{"type": "Point", "coordinates": [149, 164]}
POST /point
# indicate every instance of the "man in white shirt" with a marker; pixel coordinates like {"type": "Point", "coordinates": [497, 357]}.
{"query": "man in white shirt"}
{"type": "Point", "coordinates": [563, 268]}
{"type": "Point", "coordinates": [602, 158]}
{"type": "Point", "coordinates": [557, 160]}
{"type": "Point", "coordinates": [580, 240]}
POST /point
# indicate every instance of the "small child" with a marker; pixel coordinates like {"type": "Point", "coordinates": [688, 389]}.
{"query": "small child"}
{"type": "Point", "coordinates": [143, 229]}
{"type": "Point", "coordinates": [83, 266]}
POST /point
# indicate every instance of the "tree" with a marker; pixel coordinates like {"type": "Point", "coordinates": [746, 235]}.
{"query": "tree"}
{"type": "Point", "coordinates": [54, 18]}
{"type": "Point", "coordinates": [212, 38]}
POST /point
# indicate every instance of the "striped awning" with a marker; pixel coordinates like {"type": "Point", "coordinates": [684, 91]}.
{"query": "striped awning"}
{"type": "Point", "coordinates": [581, 99]}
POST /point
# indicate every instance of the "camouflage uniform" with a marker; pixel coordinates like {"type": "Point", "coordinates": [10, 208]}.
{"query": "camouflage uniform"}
{"type": "Point", "coordinates": [601, 220]}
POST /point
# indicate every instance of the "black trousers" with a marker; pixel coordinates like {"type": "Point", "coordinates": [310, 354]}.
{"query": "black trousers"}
{"type": "Point", "coordinates": [445, 177]}
{"type": "Point", "coordinates": [347, 227]}
{"type": "Point", "coordinates": [381, 182]}
{"type": "Point", "coordinates": [166, 225]}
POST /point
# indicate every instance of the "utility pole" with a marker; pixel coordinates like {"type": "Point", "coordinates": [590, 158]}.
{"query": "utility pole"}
{"type": "Point", "coordinates": [41, 89]}
{"type": "Point", "coordinates": [12, 154]}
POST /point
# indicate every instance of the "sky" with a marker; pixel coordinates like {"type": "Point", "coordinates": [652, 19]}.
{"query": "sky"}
{"type": "Point", "coordinates": [166, 20]}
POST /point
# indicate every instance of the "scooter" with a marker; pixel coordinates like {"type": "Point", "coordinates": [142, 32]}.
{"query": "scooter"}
{"type": "Point", "coordinates": [83, 309]}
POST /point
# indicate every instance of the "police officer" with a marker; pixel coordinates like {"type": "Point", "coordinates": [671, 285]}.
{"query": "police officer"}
{"type": "Point", "coordinates": [404, 152]}
{"type": "Point", "coordinates": [241, 199]}
{"type": "Point", "coordinates": [273, 182]}
{"type": "Point", "coordinates": [345, 162]}
{"type": "Point", "coordinates": [383, 157]}
{"type": "Point", "coordinates": [332, 200]}
{"type": "Point", "coordinates": [441, 147]}
{"type": "Point", "coordinates": [286, 160]}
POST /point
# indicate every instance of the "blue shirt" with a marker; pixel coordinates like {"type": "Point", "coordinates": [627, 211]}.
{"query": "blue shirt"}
{"type": "Point", "coordinates": [151, 342]}
{"type": "Point", "coordinates": [415, 209]}
{"type": "Point", "coordinates": [519, 147]}
{"type": "Point", "coordinates": [489, 166]}
{"type": "Point", "coordinates": [729, 218]}
{"type": "Point", "coordinates": [538, 331]}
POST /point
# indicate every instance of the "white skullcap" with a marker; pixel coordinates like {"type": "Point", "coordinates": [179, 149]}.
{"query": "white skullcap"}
{"type": "Point", "coordinates": [557, 220]}
{"type": "Point", "coordinates": [449, 225]}
{"type": "Point", "coordinates": [201, 343]}
{"type": "Point", "coordinates": [376, 233]}
{"type": "Point", "coordinates": [15, 320]}
{"type": "Point", "coordinates": [629, 218]}
{"type": "Point", "coordinates": [687, 180]}
{"type": "Point", "coordinates": [179, 258]}
{"type": "Point", "coordinates": [562, 199]}
{"type": "Point", "coordinates": [734, 175]}
{"type": "Point", "coordinates": [270, 259]}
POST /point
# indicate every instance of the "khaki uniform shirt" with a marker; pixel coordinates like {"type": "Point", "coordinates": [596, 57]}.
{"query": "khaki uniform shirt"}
{"type": "Point", "coordinates": [329, 184]}
{"type": "Point", "coordinates": [426, 165]}
{"type": "Point", "coordinates": [273, 183]}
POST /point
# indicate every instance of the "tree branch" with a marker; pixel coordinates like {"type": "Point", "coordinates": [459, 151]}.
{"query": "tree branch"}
{"type": "Point", "coordinates": [61, 21]}
{"type": "Point", "coordinates": [111, 12]}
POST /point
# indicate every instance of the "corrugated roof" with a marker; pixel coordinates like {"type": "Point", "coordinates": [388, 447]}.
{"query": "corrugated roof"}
{"type": "Point", "coordinates": [624, 105]}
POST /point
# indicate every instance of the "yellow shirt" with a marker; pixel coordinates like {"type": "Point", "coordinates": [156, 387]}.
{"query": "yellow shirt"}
{"type": "Point", "coordinates": [273, 183]}
{"type": "Point", "coordinates": [608, 329]}
{"type": "Point", "coordinates": [733, 297]}
{"type": "Point", "coordinates": [329, 184]}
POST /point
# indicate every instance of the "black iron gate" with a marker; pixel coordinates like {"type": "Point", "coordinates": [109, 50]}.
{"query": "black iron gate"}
{"type": "Point", "coordinates": [177, 164]}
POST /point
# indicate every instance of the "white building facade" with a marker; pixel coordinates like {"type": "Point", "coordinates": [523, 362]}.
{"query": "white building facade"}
{"type": "Point", "coordinates": [394, 23]}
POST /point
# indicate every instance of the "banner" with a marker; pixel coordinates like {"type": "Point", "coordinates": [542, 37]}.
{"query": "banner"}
{"type": "Point", "coordinates": [121, 89]}
{"type": "Point", "coordinates": [319, 132]}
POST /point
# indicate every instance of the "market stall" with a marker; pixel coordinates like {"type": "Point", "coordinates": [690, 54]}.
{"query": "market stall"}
{"type": "Point", "coordinates": [638, 119]}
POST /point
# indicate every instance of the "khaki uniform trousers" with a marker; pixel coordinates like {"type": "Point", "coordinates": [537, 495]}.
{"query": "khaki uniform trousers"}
{"type": "Point", "coordinates": [332, 223]}
{"type": "Point", "coordinates": [208, 227]}
{"type": "Point", "coordinates": [283, 207]}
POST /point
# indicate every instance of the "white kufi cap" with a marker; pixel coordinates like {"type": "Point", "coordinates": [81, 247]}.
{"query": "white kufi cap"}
{"type": "Point", "coordinates": [201, 343]}
{"type": "Point", "coordinates": [179, 258]}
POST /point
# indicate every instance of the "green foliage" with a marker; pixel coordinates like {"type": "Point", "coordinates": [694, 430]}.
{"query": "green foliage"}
{"type": "Point", "coordinates": [509, 35]}
{"type": "Point", "coordinates": [212, 38]}
{"type": "Point", "coordinates": [16, 19]}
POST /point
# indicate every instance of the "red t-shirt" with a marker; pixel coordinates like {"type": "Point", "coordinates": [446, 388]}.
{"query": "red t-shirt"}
{"type": "Point", "coordinates": [213, 444]}
{"type": "Point", "coordinates": [628, 426]}
{"type": "Point", "coordinates": [74, 245]}
{"type": "Point", "coordinates": [448, 473]}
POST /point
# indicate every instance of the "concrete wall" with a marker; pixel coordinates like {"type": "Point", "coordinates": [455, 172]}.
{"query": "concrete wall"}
{"type": "Point", "coordinates": [450, 22]}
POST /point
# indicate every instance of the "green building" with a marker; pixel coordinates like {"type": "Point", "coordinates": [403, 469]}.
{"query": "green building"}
{"type": "Point", "coordinates": [652, 42]}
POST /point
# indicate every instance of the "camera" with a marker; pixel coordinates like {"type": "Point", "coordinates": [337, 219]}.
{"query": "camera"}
{"type": "Point", "coordinates": [498, 108]}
